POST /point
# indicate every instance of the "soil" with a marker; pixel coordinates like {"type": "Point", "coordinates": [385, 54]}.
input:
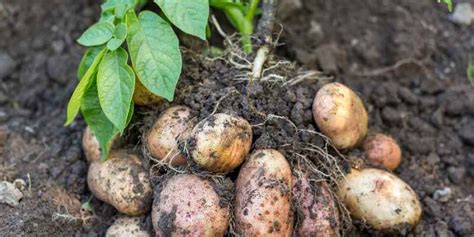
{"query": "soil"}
{"type": "Point", "coordinates": [405, 59]}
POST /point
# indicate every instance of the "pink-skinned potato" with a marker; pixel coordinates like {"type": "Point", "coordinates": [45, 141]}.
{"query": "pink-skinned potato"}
{"type": "Point", "coordinates": [263, 196]}
{"type": "Point", "coordinates": [122, 182]}
{"type": "Point", "coordinates": [318, 215]}
{"type": "Point", "coordinates": [187, 205]}
{"type": "Point", "coordinates": [340, 115]}
{"type": "Point", "coordinates": [380, 199]}
{"type": "Point", "coordinates": [382, 150]}
{"type": "Point", "coordinates": [220, 142]}
{"type": "Point", "coordinates": [173, 125]}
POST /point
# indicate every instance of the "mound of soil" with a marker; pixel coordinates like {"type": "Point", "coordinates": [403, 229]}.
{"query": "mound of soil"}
{"type": "Point", "coordinates": [404, 58]}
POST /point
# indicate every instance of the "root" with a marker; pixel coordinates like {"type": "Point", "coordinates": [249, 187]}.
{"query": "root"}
{"type": "Point", "coordinates": [400, 63]}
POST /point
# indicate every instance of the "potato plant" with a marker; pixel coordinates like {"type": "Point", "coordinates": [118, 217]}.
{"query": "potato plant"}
{"type": "Point", "coordinates": [109, 84]}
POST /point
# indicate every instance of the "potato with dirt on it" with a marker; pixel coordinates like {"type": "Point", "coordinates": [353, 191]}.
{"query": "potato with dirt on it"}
{"type": "Point", "coordinates": [173, 125]}
{"type": "Point", "coordinates": [143, 97]}
{"type": "Point", "coordinates": [220, 142]}
{"type": "Point", "coordinates": [263, 196]}
{"type": "Point", "coordinates": [122, 182]}
{"type": "Point", "coordinates": [340, 115]}
{"type": "Point", "coordinates": [380, 199]}
{"type": "Point", "coordinates": [91, 145]}
{"type": "Point", "coordinates": [128, 227]}
{"type": "Point", "coordinates": [187, 205]}
{"type": "Point", "coordinates": [383, 150]}
{"type": "Point", "coordinates": [316, 207]}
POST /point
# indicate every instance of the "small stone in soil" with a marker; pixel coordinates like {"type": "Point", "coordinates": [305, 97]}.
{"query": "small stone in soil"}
{"type": "Point", "coordinates": [7, 64]}
{"type": "Point", "coordinates": [442, 195]}
{"type": "Point", "coordinates": [9, 194]}
{"type": "Point", "coordinates": [456, 174]}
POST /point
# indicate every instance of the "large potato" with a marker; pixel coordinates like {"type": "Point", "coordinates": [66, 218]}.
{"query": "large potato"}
{"type": "Point", "coordinates": [380, 199]}
{"type": "Point", "coordinates": [128, 227]}
{"type": "Point", "coordinates": [174, 124]}
{"type": "Point", "coordinates": [143, 97]}
{"type": "Point", "coordinates": [91, 145]}
{"type": "Point", "coordinates": [340, 115]}
{"type": "Point", "coordinates": [220, 142]}
{"type": "Point", "coordinates": [188, 205]}
{"type": "Point", "coordinates": [316, 208]}
{"type": "Point", "coordinates": [263, 196]}
{"type": "Point", "coordinates": [383, 150]}
{"type": "Point", "coordinates": [122, 182]}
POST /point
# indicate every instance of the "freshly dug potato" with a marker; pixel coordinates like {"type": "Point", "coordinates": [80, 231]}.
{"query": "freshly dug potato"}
{"type": "Point", "coordinates": [188, 205]}
{"type": "Point", "coordinates": [316, 208]}
{"type": "Point", "coordinates": [122, 182]}
{"type": "Point", "coordinates": [174, 124]}
{"type": "Point", "coordinates": [143, 97]}
{"type": "Point", "coordinates": [263, 196]}
{"type": "Point", "coordinates": [380, 199]}
{"type": "Point", "coordinates": [91, 145]}
{"type": "Point", "coordinates": [220, 142]}
{"type": "Point", "coordinates": [340, 115]}
{"type": "Point", "coordinates": [383, 150]}
{"type": "Point", "coordinates": [128, 227]}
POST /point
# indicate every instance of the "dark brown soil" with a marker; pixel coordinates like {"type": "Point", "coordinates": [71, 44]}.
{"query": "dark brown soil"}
{"type": "Point", "coordinates": [428, 106]}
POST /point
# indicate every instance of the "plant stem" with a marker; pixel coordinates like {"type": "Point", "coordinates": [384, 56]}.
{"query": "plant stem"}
{"type": "Point", "coordinates": [252, 9]}
{"type": "Point", "coordinates": [265, 25]}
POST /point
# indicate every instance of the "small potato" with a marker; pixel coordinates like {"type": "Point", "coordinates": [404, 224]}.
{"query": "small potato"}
{"type": "Point", "coordinates": [263, 196]}
{"type": "Point", "coordinates": [220, 142]}
{"type": "Point", "coordinates": [143, 97]}
{"type": "Point", "coordinates": [91, 145]}
{"type": "Point", "coordinates": [380, 199]}
{"type": "Point", "coordinates": [122, 182]}
{"type": "Point", "coordinates": [316, 208]}
{"type": "Point", "coordinates": [340, 115]}
{"type": "Point", "coordinates": [128, 227]}
{"type": "Point", "coordinates": [383, 150]}
{"type": "Point", "coordinates": [174, 124]}
{"type": "Point", "coordinates": [188, 205]}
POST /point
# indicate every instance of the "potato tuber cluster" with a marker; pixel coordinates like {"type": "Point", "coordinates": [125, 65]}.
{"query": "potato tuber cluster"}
{"type": "Point", "coordinates": [270, 196]}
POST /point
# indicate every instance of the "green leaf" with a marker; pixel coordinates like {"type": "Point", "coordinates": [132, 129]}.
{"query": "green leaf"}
{"type": "Point", "coordinates": [87, 60]}
{"type": "Point", "coordinates": [78, 94]}
{"type": "Point", "coordinates": [97, 34]}
{"type": "Point", "coordinates": [107, 16]}
{"type": "Point", "coordinates": [112, 4]}
{"type": "Point", "coordinates": [189, 16]}
{"type": "Point", "coordinates": [154, 50]}
{"type": "Point", "coordinates": [222, 5]}
{"type": "Point", "coordinates": [449, 3]}
{"type": "Point", "coordinates": [120, 34]}
{"type": "Point", "coordinates": [103, 129]}
{"type": "Point", "coordinates": [470, 74]}
{"type": "Point", "coordinates": [115, 83]}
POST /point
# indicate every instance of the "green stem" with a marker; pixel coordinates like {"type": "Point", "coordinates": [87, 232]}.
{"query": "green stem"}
{"type": "Point", "coordinates": [252, 9]}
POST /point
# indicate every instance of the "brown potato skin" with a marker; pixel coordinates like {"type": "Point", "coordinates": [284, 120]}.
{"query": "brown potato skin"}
{"type": "Point", "coordinates": [383, 150]}
{"type": "Point", "coordinates": [340, 115]}
{"type": "Point", "coordinates": [91, 146]}
{"type": "Point", "coordinates": [122, 182]}
{"type": "Point", "coordinates": [174, 124]}
{"type": "Point", "coordinates": [220, 142]}
{"type": "Point", "coordinates": [316, 208]}
{"type": "Point", "coordinates": [263, 196]}
{"type": "Point", "coordinates": [188, 205]}
{"type": "Point", "coordinates": [143, 97]}
{"type": "Point", "coordinates": [127, 227]}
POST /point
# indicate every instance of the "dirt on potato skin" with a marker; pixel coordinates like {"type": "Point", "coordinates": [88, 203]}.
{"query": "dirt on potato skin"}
{"type": "Point", "coordinates": [430, 114]}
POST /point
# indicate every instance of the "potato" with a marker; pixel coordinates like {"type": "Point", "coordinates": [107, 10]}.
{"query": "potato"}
{"type": "Point", "coordinates": [340, 115]}
{"type": "Point", "coordinates": [316, 208]}
{"type": "Point", "coordinates": [263, 196]}
{"type": "Point", "coordinates": [128, 227]}
{"type": "Point", "coordinates": [91, 145]}
{"type": "Point", "coordinates": [220, 142]}
{"type": "Point", "coordinates": [174, 124]}
{"type": "Point", "coordinates": [383, 150]}
{"type": "Point", "coordinates": [380, 199]}
{"type": "Point", "coordinates": [188, 205]}
{"type": "Point", "coordinates": [122, 182]}
{"type": "Point", "coordinates": [143, 97]}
